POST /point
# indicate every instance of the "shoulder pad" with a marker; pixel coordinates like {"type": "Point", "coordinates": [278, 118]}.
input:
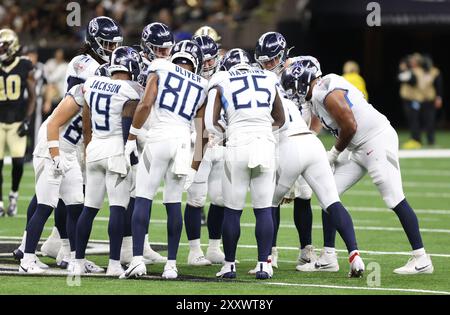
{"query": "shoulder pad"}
{"type": "Point", "coordinates": [217, 78]}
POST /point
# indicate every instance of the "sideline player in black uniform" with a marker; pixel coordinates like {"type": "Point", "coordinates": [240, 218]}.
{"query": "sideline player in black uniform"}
{"type": "Point", "coordinates": [17, 102]}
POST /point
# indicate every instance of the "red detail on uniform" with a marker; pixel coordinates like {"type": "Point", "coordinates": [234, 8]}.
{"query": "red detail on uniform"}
{"type": "Point", "coordinates": [269, 261]}
{"type": "Point", "coordinates": [353, 257]}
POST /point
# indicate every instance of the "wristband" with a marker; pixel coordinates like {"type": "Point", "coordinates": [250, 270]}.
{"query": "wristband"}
{"type": "Point", "coordinates": [53, 144]}
{"type": "Point", "coordinates": [135, 131]}
{"type": "Point", "coordinates": [335, 152]}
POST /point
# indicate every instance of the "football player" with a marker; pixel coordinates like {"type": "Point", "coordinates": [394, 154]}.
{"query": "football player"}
{"type": "Point", "coordinates": [272, 54]}
{"type": "Point", "coordinates": [174, 95]}
{"type": "Point", "coordinates": [102, 36]}
{"type": "Point", "coordinates": [156, 43]}
{"type": "Point", "coordinates": [252, 109]}
{"type": "Point", "coordinates": [17, 103]}
{"type": "Point", "coordinates": [366, 143]}
{"type": "Point", "coordinates": [108, 100]}
{"type": "Point", "coordinates": [207, 180]}
{"type": "Point", "coordinates": [302, 153]}
{"type": "Point", "coordinates": [211, 32]}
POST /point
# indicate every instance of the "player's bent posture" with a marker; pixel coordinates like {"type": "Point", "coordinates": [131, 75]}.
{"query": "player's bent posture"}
{"type": "Point", "coordinates": [370, 145]}
{"type": "Point", "coordinates": [302, 153]}
{"type": "Point", "coordinates": [108, 101]}
{"type": "Point", "coordinates": [16, 82]}
{"type": "Point", "coordinates": [207, 181]}
{"type": "Point", "coordinates": [252, 109]}
{"type": "Point", "coordinates": [174, 95]}
{"type": "Point", "coordinates": [271, 53]}
{"type": "Point", "coordinates": [156, 42]}
{"type": "Point", "coordinates": [103, 35]}
{"type": "Point", "coordinates": [58, 174]}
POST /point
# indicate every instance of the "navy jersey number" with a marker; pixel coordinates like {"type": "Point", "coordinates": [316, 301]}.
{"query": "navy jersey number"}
{"type": "Point", "coordinates": [74, 131]}
{"type": "Point", "coordinates": [102, 104]}
{"type": "Point", "coordinates": [170, 96]}
{"type": "Point", "coordinates": [265, 101]}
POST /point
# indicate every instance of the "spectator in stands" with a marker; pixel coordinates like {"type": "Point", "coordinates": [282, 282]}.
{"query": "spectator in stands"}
{"type": "Point", "coordinates": [55, 72]}
{"type": "Point", "coordinates": [421, 92]}
{"type": "Point", "coordinates": [351, 74]}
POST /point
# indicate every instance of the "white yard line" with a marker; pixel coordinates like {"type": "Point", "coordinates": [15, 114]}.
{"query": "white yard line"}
{"type": "Point", "coordinates": [4, 239]}
{"type": "Point", "coordinates": [354, 288]}
{"type": "Point", "coordinates": [356, 192]}
{"type": "Point", "coordinates": [426, 153]}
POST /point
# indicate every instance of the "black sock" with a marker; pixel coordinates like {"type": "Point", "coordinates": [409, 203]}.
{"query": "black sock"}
{"type": "Point", "coordinates": [73, 214]}
{"type": "Point", "coordinates": [115, 231]}
{"type": "Point", "coordinates": [31, 208]}
{"type": "Point", "coordinates": [174, 228]}
{"type": "Point", "coordinates": [329, 231]}
{"type": "Point", "coordinates": [410, 224]}
{"type": "Point", "coordinates": [342, 220]}
{"type": "Point", "coordinates": [303, 219]}
{"type": "Point", "coordinates": [276, 224]}
{"type": "Point", "coordinates": [139, 224]}
{"type": "Point", "coordinates": [17, 172]}
{"type": "Point", "coordinates": [231, 231]}
{"type": "Point", "coordinates": [84, 228]}
{"type": "Point", "coordinates": [36, 226]}
{"type": "Point", "coordinates": [128, 216]}
{"type": "Point", "coordinates": [215, 221]}
{"type": "Point", "coordinates": [264, 231]}
{"type": "Point", "coordinates": [193, 222]}
{"type": "Point", "coordinates": [61, 219]}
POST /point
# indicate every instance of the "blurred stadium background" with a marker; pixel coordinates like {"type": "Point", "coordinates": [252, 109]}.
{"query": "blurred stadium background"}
{"type": "Point", "coordinates": [332, 31]}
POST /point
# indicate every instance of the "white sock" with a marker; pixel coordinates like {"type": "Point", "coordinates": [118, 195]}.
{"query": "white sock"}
{"type": "Point", "coordinates": [113, 262]}
{"type": "Point", "coordinates": [329, 250]}
{"type": "Point", "coordinates": [28, 257]}
{"type": "Point", "coordinates": [22, 244]}
{"type": "Point", "coordinates": [214, 244]}
{"type": "Point", "coordinates": [194, 245]}
{"type": "Point", "coordinates": [81, 261]}
{"type": "Point", "coordinates": [14, 194]}
{"type": "Point", "coordinates": [418, 252]}
{"type": "Point", "coordinates": [171, 263]}
{"type": "Point", "coordinates": [55, 233]}
{"type": "Point", "coordinates": [274, 249]}
{"type": "Point", "coordinates": [137, 258]}
{"type": "Point", "coordinates": [1, 204]}
{"type": "Point", "coordinates": [127, 242]}
{"type": "Point", "coordinates": [72, 255]}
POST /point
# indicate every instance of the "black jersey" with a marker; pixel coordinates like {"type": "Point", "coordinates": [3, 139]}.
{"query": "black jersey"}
{"type": "Point", "coordinates": [13, 95]}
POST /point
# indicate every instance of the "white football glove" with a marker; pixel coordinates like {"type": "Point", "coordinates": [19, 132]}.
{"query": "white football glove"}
{"type": "Point", "coordinates": [59, 166]}
{"type": "Point", "coordinates": [130, 147]}
{"type": "Point", "coordinates": [333, 154]}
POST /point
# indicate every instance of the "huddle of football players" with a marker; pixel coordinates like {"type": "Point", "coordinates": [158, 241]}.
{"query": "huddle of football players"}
{"type": "Point", "coordinates": [126, 125]}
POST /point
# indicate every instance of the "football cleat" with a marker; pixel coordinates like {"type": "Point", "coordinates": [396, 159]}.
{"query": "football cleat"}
{"type": "Point", "coordinates": [356, 266]}
{"type": "Point", "coordinates": [2, 211]}
{"type": "Point", "coordinates": [196, 258]}
{"type": "Point", "coordinates": [30, 267]}
{"type": "Point", "coordinates": [114, 269]}
{"type": "Point", "coordinates": [228, 271]}
{"type": "Point", "coordinates": [12, 208]}
{"type": "Point", "coordinates": [416, 265]}
{"type": "Point", "coordinates": [91, 267]}
{"type": "Point", "coordinates": [274, 257]}
{"type": "Point", "coordinates": [327, 262]}
{"type": "Point", "coordinates": [63, 257]}
{"type": "Point", "coordinates": [151, 257]}
{"type": "Point", "coordinates": [264, 271]}
{"type": "Point", "coordinates": [17, 254]}
{"type": "Point", "coordinates": [307, 255]}
{"type": "Point", "coordinates": [52, 245]}
{"type": "Point", "coordinates": [215, 255]}
{"type": "Point", "coordinates": [136, 269]}
{"type": "Point", "coordinates": [170, 271]}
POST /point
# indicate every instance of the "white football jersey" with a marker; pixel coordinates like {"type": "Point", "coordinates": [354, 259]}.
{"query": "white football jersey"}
{"type": "Point", "coordinates": [106, 98]}
{"type": "Point", "coordinates": [247, 99]}
{"type": "Point", "coordinates": [180, 94]}
{"type": "Point", "coordinates": [294, 119]}
{"type": "Point", "coordinates": [80, 68]}
{"type": "Point", "coordinates": [370, 121]}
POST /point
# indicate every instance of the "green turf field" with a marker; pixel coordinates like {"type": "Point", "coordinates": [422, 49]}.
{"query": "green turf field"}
{"type": "Point", "coordinates": [380, 237]}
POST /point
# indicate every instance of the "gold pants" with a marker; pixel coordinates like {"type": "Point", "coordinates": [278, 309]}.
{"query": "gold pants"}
{"type": "Point", "coordinates": [8, 135]}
